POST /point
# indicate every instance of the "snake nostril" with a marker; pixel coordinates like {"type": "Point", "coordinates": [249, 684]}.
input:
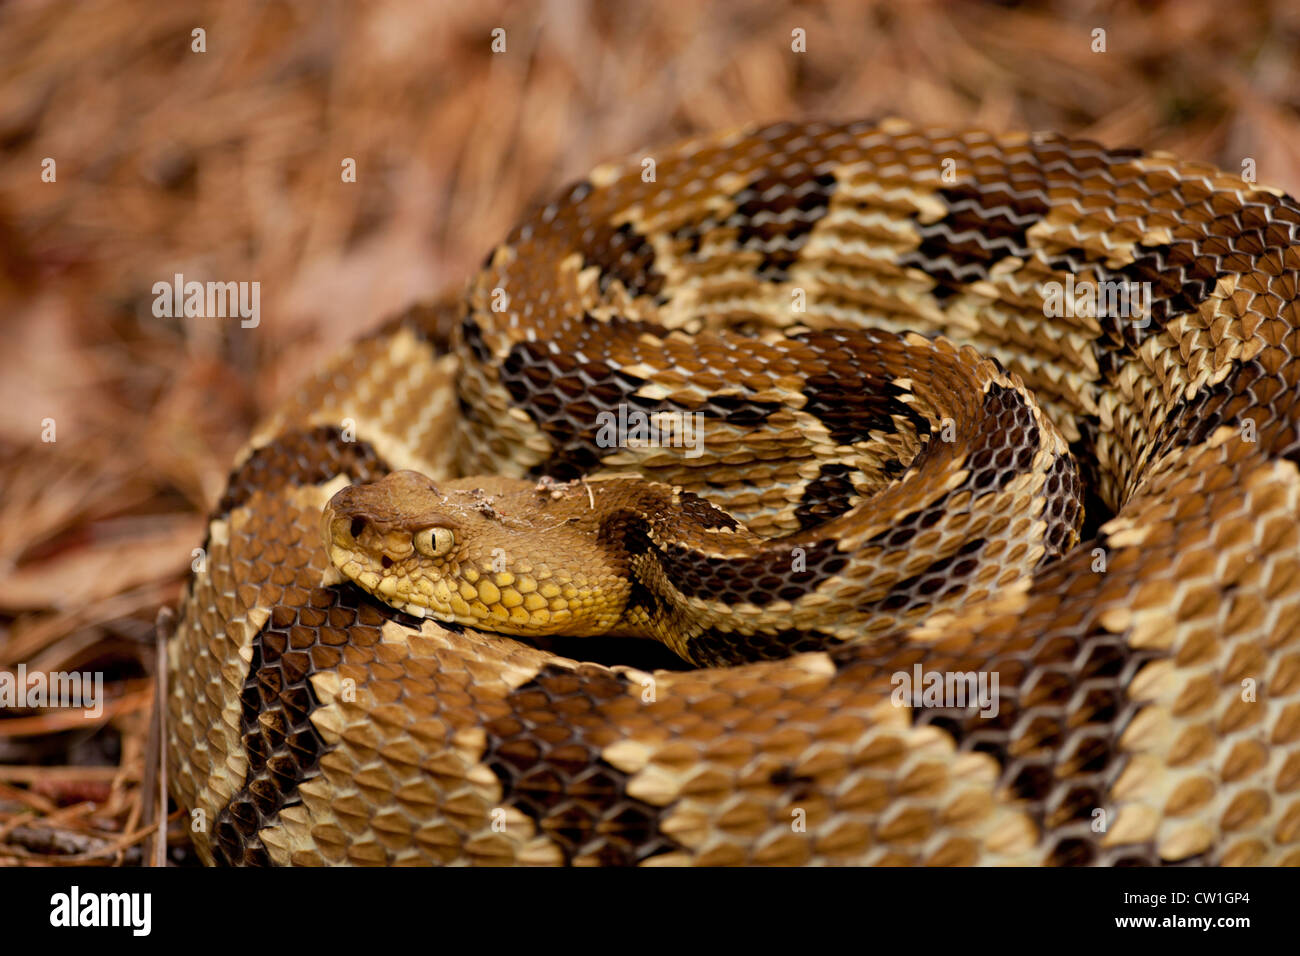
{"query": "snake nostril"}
{"type": "Point", "coordinates": [358, 525]}
{"type": "Point", "coordinates": [386, 561]}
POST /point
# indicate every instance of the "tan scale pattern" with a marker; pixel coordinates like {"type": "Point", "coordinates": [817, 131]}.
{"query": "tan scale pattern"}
{"type": "Point", "coordinates": [1149, 702]}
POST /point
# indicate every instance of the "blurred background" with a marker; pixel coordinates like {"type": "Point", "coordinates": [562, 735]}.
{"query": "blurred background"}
{"type": "Point", "coordinates": [225, 165]}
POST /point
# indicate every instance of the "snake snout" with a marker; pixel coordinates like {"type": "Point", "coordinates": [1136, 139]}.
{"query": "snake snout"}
{"type": "Point", "coordinates": [335, 529]}
{"type": "Point", "coordinates": [342, 522]}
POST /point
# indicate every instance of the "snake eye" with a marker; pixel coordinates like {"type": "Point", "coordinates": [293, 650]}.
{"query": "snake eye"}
{"type": "Point", "coordinates": [434, 542]}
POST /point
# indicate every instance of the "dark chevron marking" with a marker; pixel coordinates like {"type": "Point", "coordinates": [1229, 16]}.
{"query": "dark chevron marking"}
{"type": "Point", "coordinates": [986, 223]}
{"type": "Point", "coordinates": [717, 648]}
{"type": "Point", "coordinates": [283, 745]}
{"type": "Point", "coordinates": [827, 496]}
{"type": "Point", "coordinates": [576, 798]}
{"type": "Point", "coordinates": [300, 458]}
{"type": "Point", "coordinates": [790, 208]}
{"type": "Point", "coordinates": [1013, 440]}
{"type": "Point", "coordinates": [625, 255]}
{"type": "Point", "coordinates": [760, 578]}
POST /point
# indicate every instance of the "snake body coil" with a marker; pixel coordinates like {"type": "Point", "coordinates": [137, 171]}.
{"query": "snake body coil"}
{"type": "Point", "coordinates": [882, 369]}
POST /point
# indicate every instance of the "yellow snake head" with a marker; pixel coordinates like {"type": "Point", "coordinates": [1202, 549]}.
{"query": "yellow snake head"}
{"type": "Point", "coordinates": [489, 552]}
